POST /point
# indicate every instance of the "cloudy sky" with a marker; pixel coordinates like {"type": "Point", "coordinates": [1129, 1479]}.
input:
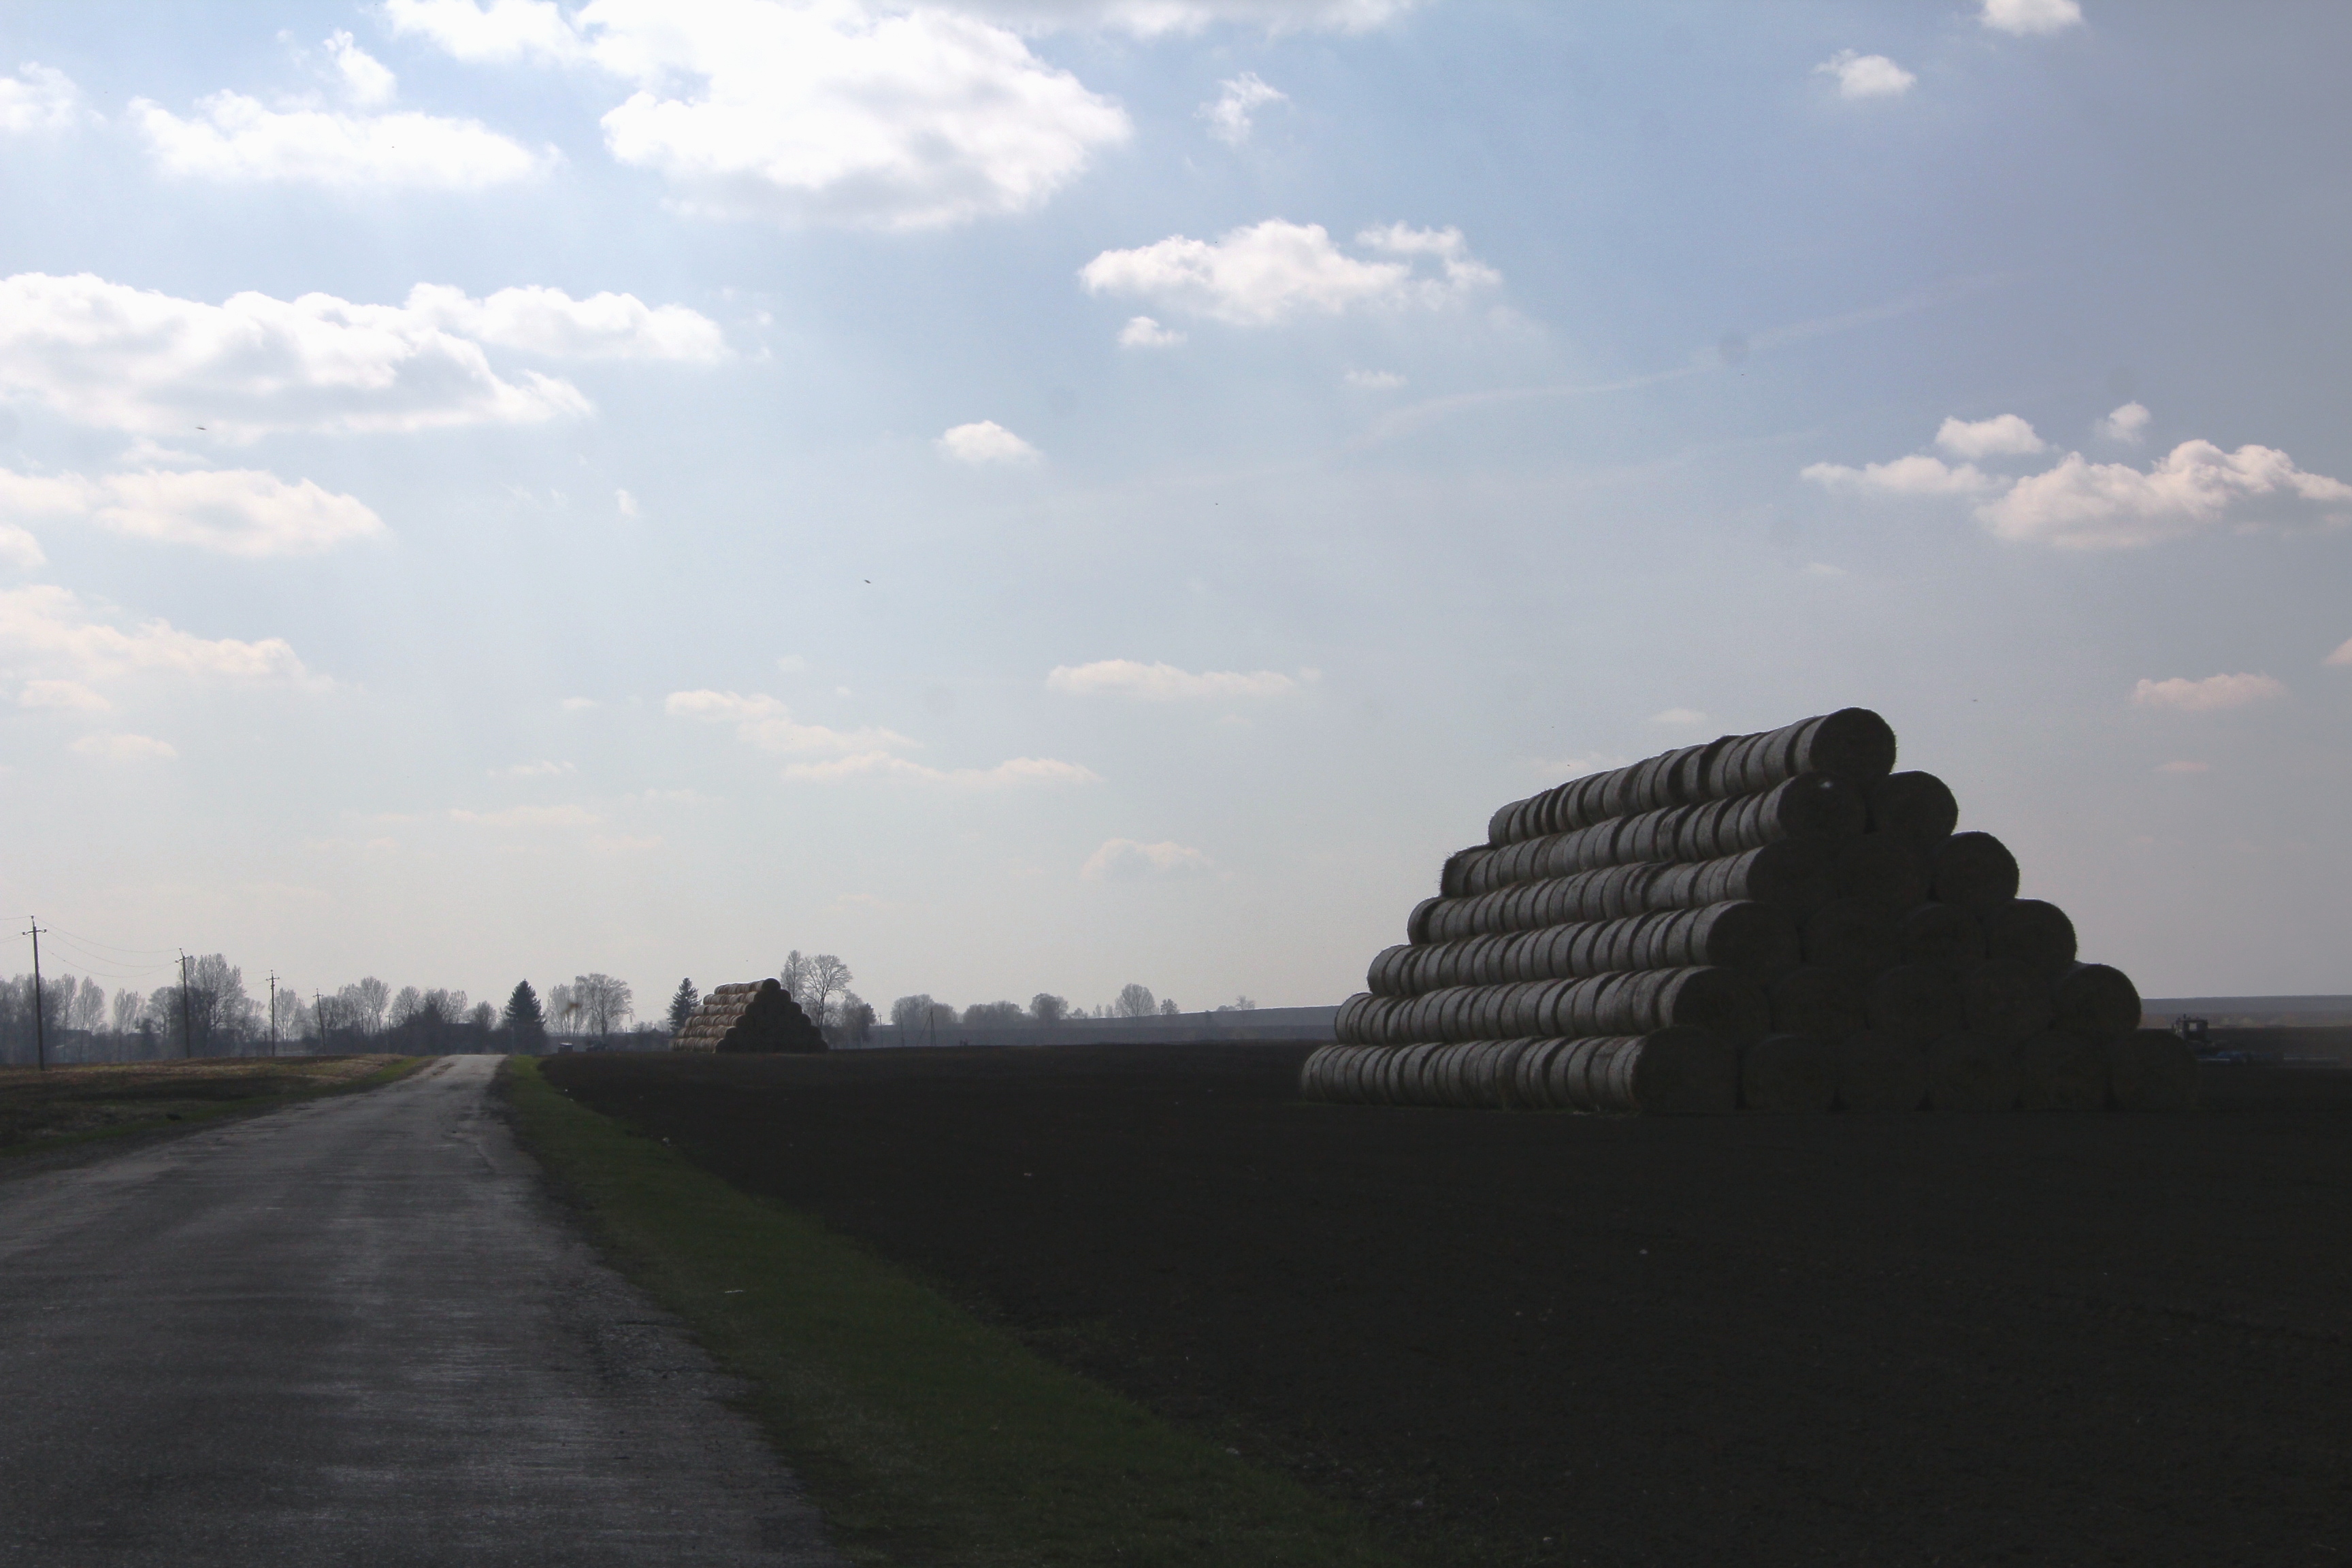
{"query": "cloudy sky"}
{"type": "Point", "coordinates": [1040, 494]}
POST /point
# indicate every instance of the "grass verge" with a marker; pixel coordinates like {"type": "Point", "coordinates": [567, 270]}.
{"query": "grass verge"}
{"type": "Point", "coordinates": [66, 1106]}
{"type": "Point", "coordinates": [926, 1437]}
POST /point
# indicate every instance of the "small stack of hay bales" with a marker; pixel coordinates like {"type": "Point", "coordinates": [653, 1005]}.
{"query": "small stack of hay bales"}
{"type": "Point", "coordinates": [752, 1015]}
{"type": "Point", "coordinates": [1776, 922]}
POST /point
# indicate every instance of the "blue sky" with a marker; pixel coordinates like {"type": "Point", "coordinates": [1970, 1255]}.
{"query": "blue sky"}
{"type": "Point", "coordinates": [1039, 496]}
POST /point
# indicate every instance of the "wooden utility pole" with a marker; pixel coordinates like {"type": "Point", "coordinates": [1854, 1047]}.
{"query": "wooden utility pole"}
{"type": "Point", "coordinates": [187, 1023]}
{"type": "Point", "coordinates": [273, 1012]}
{"type": "Point", "coordinates": [40, 1039]}
{"type": "Point", "coordinates": [320, 998]}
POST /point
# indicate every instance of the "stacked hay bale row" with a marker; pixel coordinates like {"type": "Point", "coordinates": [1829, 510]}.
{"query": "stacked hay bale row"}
{"type": "Point", "coordinates": [750, 1015]}
{"type": "Point", "coordinates": [1776, 922]}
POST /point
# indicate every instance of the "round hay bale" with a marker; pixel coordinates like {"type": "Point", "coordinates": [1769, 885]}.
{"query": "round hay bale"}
{"type": "Point", "coordinates": [1968, 1071]}
{"type": "Point", "coordinates": [1880, 1072]}
{"type": "Point", "coordinates": [2004, 997]}
{"type": "Point", "coordinates": [1915, 1000]}
{"type": "Point", "coordinates": [1853, 936]}
{"type": "Point", "coordinates": [2058, 1071]}
{"type": "Point", "coordinates": [2095, 1002]}
{"type": "Point", "coordinates": [1944, 935]}
{"type": "Point", "coordinates": [1788, 1073]}
{"type": "Point", "coordinates": [1974, 871]}
{"type": "Point", "coordinates": [1815, 1001]}
{"type": "Point", "coordinates": [1891, 870]}
{"type": "Point", "coordinates": [1914, 806]}
{"type": "Point", "coordinates": [2036, 934]}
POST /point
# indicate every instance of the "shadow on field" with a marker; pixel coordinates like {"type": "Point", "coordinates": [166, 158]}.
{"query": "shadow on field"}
{"type": "Point", "coordinates": [1543, 1338]}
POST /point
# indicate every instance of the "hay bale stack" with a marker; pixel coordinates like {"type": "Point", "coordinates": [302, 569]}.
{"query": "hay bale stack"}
{"type": "Point", "coordinates": [1778, 921]}
{"type": "Point", "coordinates": [750, 1015]}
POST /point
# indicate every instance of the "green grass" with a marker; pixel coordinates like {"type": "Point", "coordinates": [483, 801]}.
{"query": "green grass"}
{"type": "Point", "coordinates": [926, 1437]}
{"type": "Point", "coordinates": [83, 1104]}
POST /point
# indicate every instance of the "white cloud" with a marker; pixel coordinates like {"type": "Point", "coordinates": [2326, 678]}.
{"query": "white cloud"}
{"type": "Point", "coordinates": [48, 626]}
{"type": "Point", "coordinates": [1128, 860]}
{"type": "Point", "coordinates": [126, 748]}
{"type": "Point", "coordinates": [1374, 380]}
{"type": "Point", "coordinates": [1917, 475]}
{"type": "Point", "coordinates": [233, 137]}
{"type": "Point", "coordinates": [1143, 332]}
{"type": "Point", "coordinates": [986, 441]}
{"type": "Point", "coordinates": [19, 548]}
{"type": "Point", "coordinates": [2021, 17]}
{"type": "Point", "coordinates": [1866, 76]}
{"type": "Point", "coordinates": [2215, 691]}
{"type": "Point", "coordinates": [1164, 682]}
{"type": "Point", "coordinates": [549, 322]}
{"type": "Point", "coordinates": [2004, 435]}
{"type": "Point", "coordinates": [2081, 505]}
{"type": "Point", "coordinates": [38, 98]}
{"type": "Point", "coordinates": [542, 769]}
{"type": "Point", "coordinates": [1678, 718]}
{"type": "Point", "coordinates": [1272, 271]}
{"type": "Point", "coordinates": [577, 704]}
{"type": "Point", "coordinates": [793, 664]}
{"type": "Point", "coordinates": [504, 32]}
{"type": "Point", "coordinates": [1156, 18]}
{"type": "Point", "coordinates": [528, 817]}
{"type": "Point", "coordinates": [71, 695]}
{"type": "Point", "coordinates": [2129, 422]}
{"type": "Point", "coordinates": [2342, 656]}
{"type": "Point", "coordinates": [365, 80]}
{"type": "Point", "coordinates": [238, 512]}
{"type": "Point", "coordinates": [1012, 772]}
{"type": "Point", "coordinates": [1229, 116]}
{"type": "Point", "coordinates": [132, 359]}
{"type": "Point", "coordinates": [2184, 767]}
{"type": "Point", "coordinates": [1823, 569]}
{"type": "Point", "coordinates": [761, 721]}
{"type": "Point", "coordinates": [625, 503]}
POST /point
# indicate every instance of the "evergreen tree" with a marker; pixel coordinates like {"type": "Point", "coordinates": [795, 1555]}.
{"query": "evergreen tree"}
{"type": "Point", "coordinates": [682, 1005]}
{"type": "Point", "coordinates": [523, 1020]}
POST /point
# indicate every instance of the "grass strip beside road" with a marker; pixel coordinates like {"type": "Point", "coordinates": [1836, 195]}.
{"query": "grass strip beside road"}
{"type": "Point", "coordinates": [66, 1106]}
{"type": "Point", "coordinates": [925, 1436]}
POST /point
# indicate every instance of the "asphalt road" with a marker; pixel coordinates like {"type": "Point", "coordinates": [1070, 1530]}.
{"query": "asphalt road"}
{"type": "Point", "coordinates": [354, 1331]}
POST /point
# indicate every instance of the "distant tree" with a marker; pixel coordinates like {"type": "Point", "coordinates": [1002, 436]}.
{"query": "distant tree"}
{"type": "Point", "coordinates": [992, 1015]}
{"type": "Point", "coordinates": [908, 1014]}
{"type": "Point", "coordinates": [89, 1005]}
{"type": "Point", "coordinates": [603, 1002]}
{"type": "Point", "coordinates": [523, 1020]}
{"type": "Point", "coordinates": [406, 1005]}
{"type": "Point", "coordinates": [1238, 1004]}
{"type": "Point", "coordinates": [856, 1018]}
{"type": "Point", "coordinates": [1167, 1008]}
{"type": "Point", "coordinates": [1048, 1009]}
{"type": "Point", "coordinates": [127, 1006]}
{"type": "Point", "coordinates": [563, 1010]}
{"type": "Point", "coordinates": [682, 1004]}
{"type": "Point", "coordinates": [371, 997]}
{"type": "Point", "coordinates": [482, 1019]}
{"type": "Point", "coordinates": [1134, 1002]}
{"type": "Point", "coordinates": [797, 975]}
{"type": "Point", "coordinates": [289, 1020]}
{"type": "Point", "coordinates": [827, 974]}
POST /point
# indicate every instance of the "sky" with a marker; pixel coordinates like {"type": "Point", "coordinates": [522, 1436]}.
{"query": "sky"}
{"type": "Point", "coordinates": [1035, 495]}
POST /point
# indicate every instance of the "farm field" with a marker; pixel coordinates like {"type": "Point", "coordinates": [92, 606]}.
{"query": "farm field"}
{"type": "Point", "coordinates": [67, 1104]}
{"type": "Point", "coordinates": [1539, 1338]}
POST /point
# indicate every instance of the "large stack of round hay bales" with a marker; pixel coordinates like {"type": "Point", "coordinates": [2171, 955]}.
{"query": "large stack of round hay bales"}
{"type": "Point", "coordinates": [1776, 921]}
{"type": "Point", "coordinates": [749, 1015]}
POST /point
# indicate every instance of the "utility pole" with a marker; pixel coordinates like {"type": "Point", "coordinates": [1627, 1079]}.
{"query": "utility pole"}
{"type": "Point", "coordinates": [187, 1023]}
{"type": "Point", "coordinates": [322, 1001]}
{"type": "Point", "coordinates": [273, 1012]}
{"type": "Point", "coordinates": [40, 1039]}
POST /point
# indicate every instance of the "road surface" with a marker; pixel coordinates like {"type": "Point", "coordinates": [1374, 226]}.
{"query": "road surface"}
{"type": "Point", "coordinates": [354, 1331]}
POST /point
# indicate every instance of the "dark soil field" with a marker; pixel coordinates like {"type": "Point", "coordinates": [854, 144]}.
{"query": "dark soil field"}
{"type": "Point", "coordinates": [2059, 1339]}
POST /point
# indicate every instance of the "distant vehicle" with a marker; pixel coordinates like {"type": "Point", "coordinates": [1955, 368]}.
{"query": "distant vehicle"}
{"type": "Point", "coordinates": [2193, 1030]}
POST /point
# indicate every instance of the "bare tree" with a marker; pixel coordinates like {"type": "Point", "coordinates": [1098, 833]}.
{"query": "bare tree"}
{"type": "Point", "coordinates": [1238, 1004]}
{"type": "Point", "coordinates": [992, 1015]}
{"type": "Point", "coordinates": [89, 1005]}
{"type": "Point", "coordinates": [127, 1006]}
{"type": "Point", "coordinates": [797, 974]}
{"type": "Point", "coordinates": [1167, 1008]}
{"type": "Point", "coordinates": [827, 974]}
{"type": "Point", "coordinates": [603, 1001]}
{"type": "Point", "coordinates": [1049, 1009]}
{"type": "Point", "coordinates": [406, 1005]}
{"type": "Point", "coordinates": [1134, 1002]}
{"type": "Point", "coordinates": [856, 1018]}
{"type": "Point", "coordinates": [370, 997]}
{"type": "Point", "coordinates": [908, 1014]}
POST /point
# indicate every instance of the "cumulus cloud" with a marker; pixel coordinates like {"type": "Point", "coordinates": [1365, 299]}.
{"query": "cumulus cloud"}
{"type": "Point", "coordinates": [1243, 96]}
{"type": "Point", "coordinates": [19, 548]}
{"type": "Point", "coordinates": [231, 137]}
{"type": "Point", "coordinates": [2126, 424]}
{"type": "Point", "coordinates": [69, 695]}
{"type": "Point", "coordinates": [1156, 18]}
{"type": "Point", "coordinates": [365, 80]}
{"type": "Point", "coordinates": [1918, 475]}
{"type": "Point", "coordinates": [2025, 17]}
{"type": "Point", "coordinates": [38, 98]}
{"type": "Point", "coordinates": [528, 817]}
{"type": "Point", "coordinates": [1269, 272]}
{"type": "Point", "coordinates": [625, 503]}
{"type": "Point", "coordinates": [548, 321]}
{"type": "Point", "coordinates": [1014, 771]}
{"type": "Point", "coordinates": [44, 626]}
{"type": "Point", "coordinates": [2342, 656]}
{"type": "Point", "coordinates": [2215, 691]}
{"type": "Point", "coordinates": [1164, 682]}
{"type": "Point", "coordinates": [1374, 380]}
{"type": "Point", "coordinates": [500, 33]}
{"type": "Point", "coordinates": [133, 359]}
{"type": "Point", "coordinates": [2002, 436]}
{"type": "Point", "coordinates": [985, 442]}
{"type": "Point", "coordinates": [1143, 332]}
{"type": "Point", "coordinates": [761, 721]}
{"type": "Point", "coordinates": [1866, 75]}
{"type": "Point", "coordinates": [238, 512]}
{"type": "Point", "coordinates": [2081, 505]}
{"type": "Point", "coordinates": [126, 748]}
{"type": "Point", "coordinates": [1129, 860]}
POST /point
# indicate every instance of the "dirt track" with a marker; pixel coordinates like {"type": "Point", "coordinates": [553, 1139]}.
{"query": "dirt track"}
{"type": "Point", "coordinates": [1911, 1339]}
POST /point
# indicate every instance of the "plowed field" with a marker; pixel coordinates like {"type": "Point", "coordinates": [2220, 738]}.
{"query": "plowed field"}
{"type": "Point", "coordinates": [1553, 1338]}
